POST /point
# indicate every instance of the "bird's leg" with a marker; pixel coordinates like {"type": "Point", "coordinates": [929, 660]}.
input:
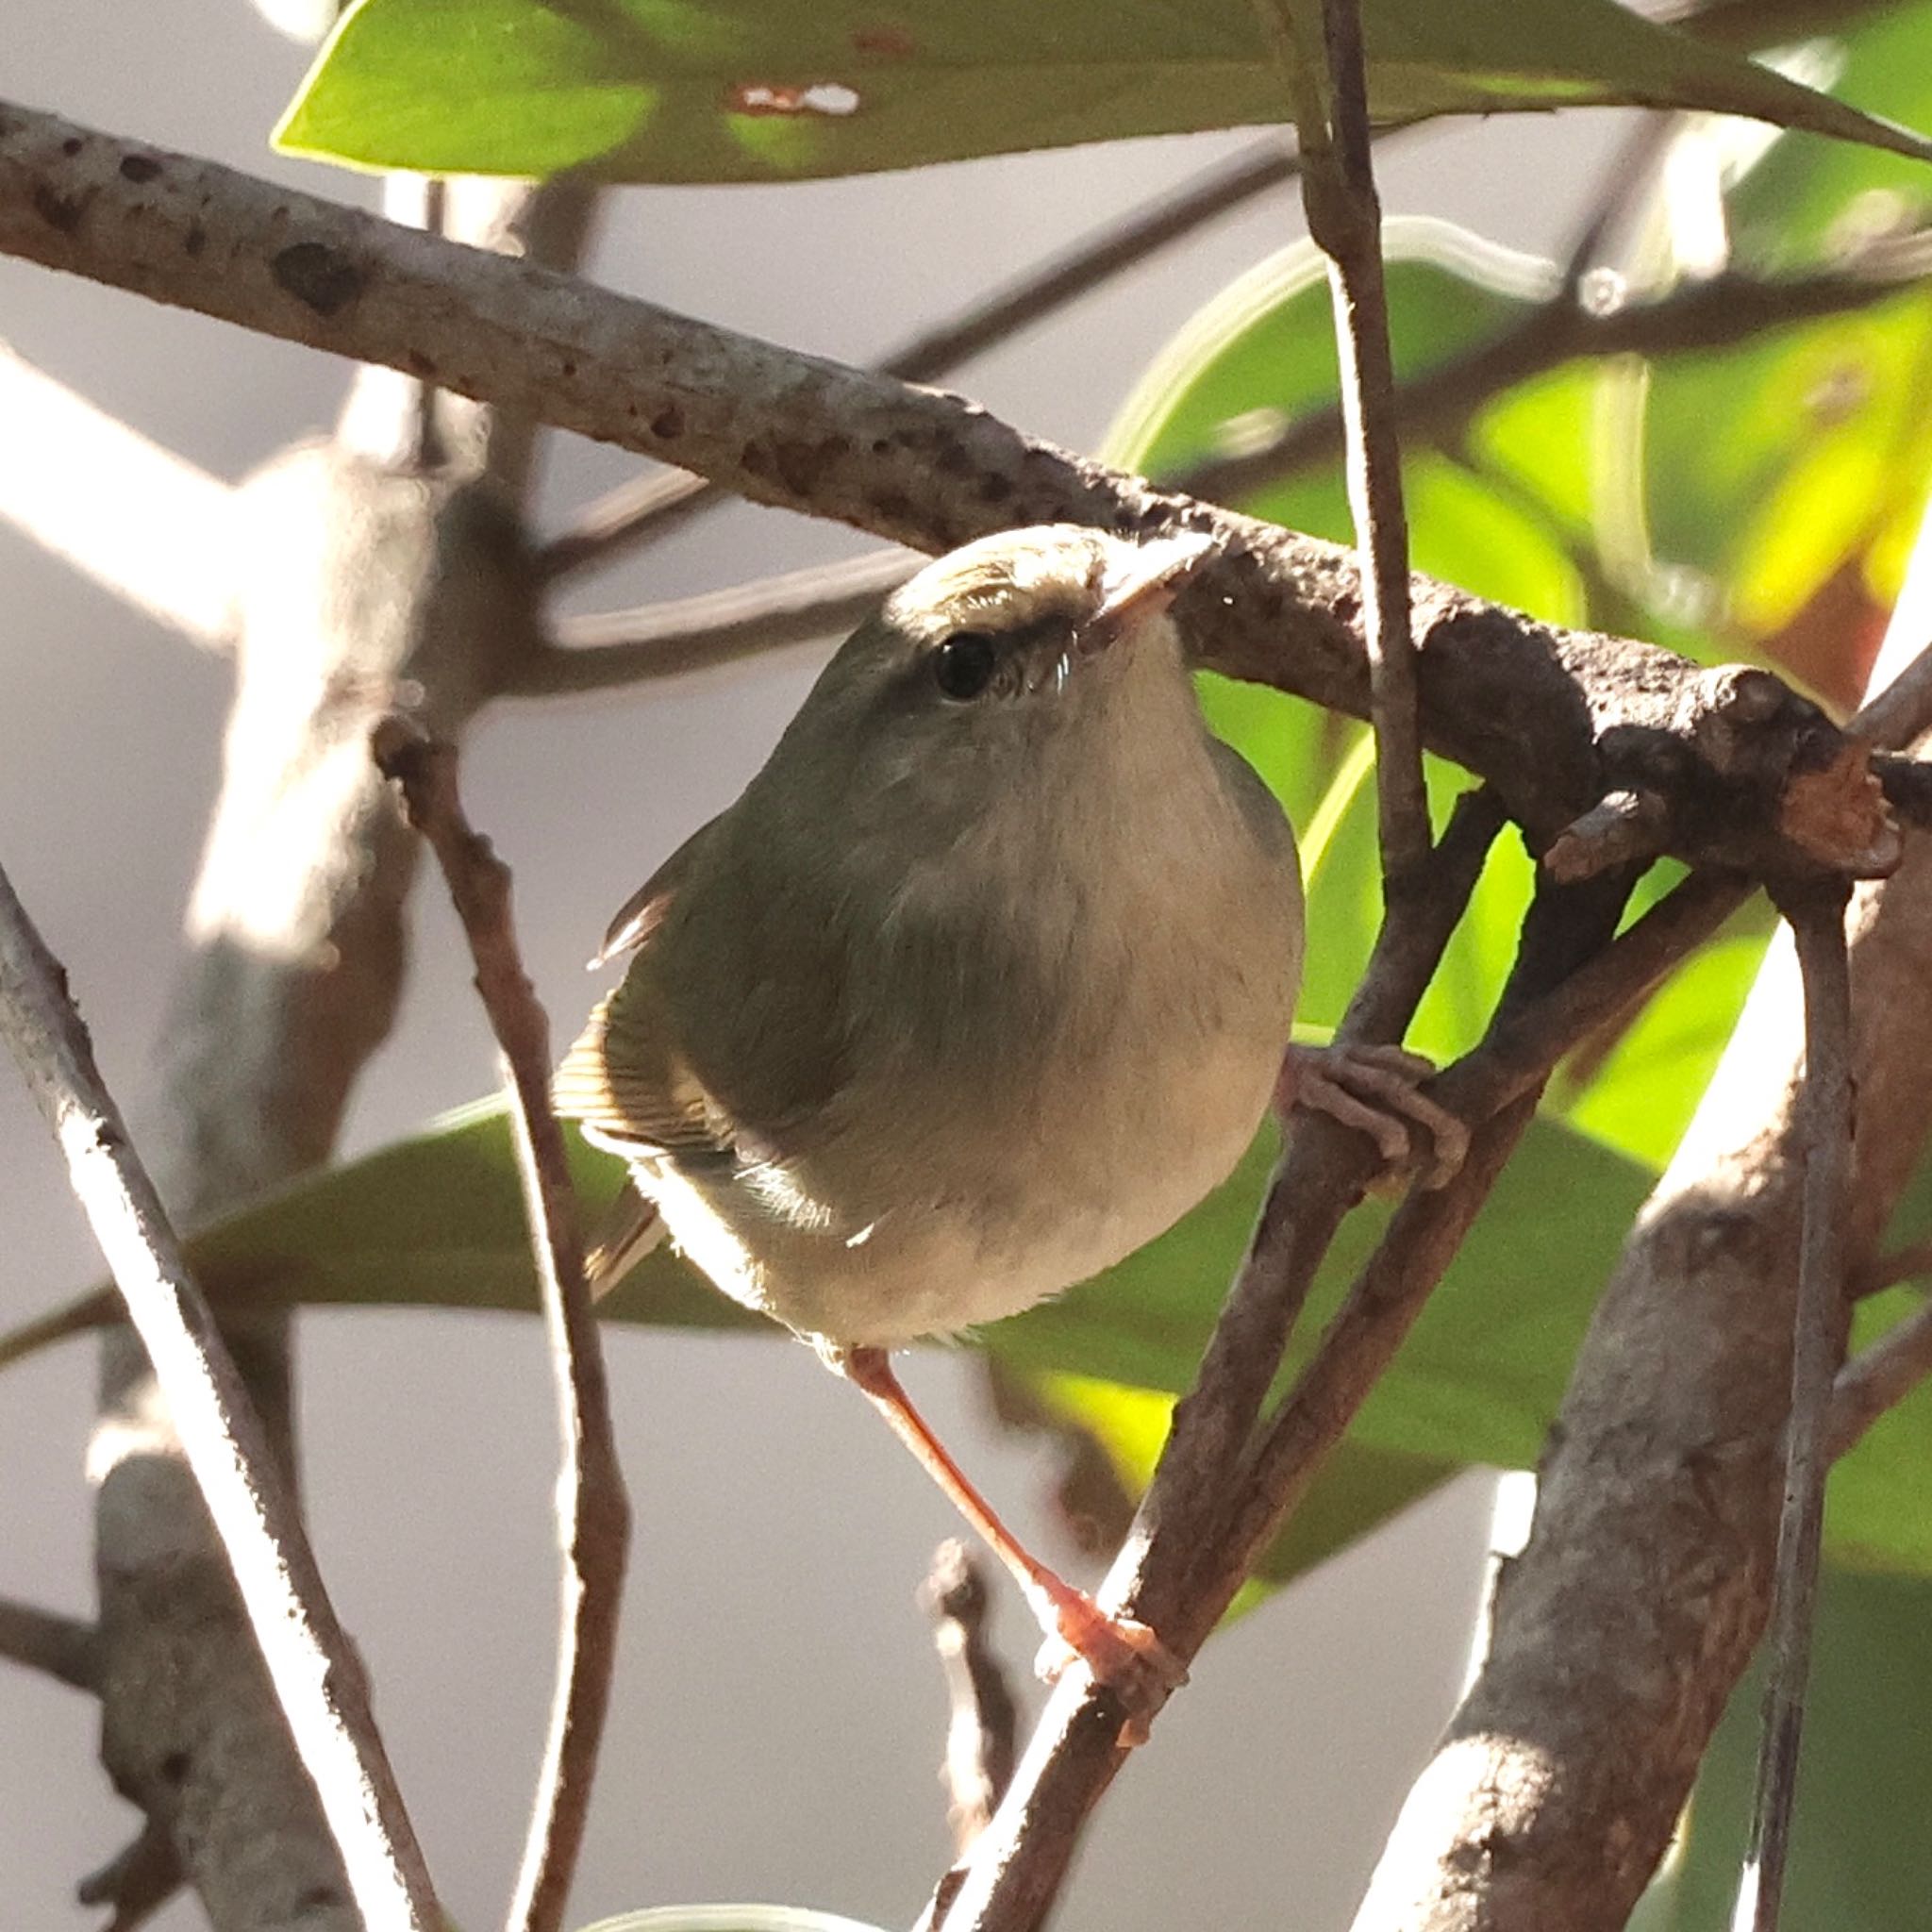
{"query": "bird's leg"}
{"type": "Point", "coordinates": [1376, 1089]}
{"type": "Point", "coordinates": [1125, 1656]}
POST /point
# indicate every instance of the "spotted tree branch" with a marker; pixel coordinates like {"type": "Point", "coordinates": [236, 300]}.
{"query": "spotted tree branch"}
{"type": "Point", "coordinates": [1553, 719]}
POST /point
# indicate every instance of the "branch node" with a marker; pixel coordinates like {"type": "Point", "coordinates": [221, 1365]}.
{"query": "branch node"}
{"type": "Point", "coordinates": [1622, 828]}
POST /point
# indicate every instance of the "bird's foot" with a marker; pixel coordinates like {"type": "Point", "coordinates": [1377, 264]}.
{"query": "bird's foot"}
{"type": "Point", "coordinates": [1125, 1654]}
{"type": "Point", "coordinates": [1377, 1091]}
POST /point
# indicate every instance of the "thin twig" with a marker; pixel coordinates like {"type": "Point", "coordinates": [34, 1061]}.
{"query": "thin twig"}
{"type": "Point", "coordinates": [1623, 183]}
{"type": "Point", "coordinates": [1911, 1262]}
{"type": "Point", "coordinates": [594, 1513]}
{"type": "Point", "coordinates": [1345, 219]}
{"type": "Point", "coordinates": [1901, 713]}
{"type": "Point", "coordinates": [1878, 1378]}
{"type": "Point", "coordinates": [62, 1647]}
{"type": "Point", "coordinates": [1818, 923]}
{"type": "Point", "coordinates": [642, 511]}
{"type": "Point", "coordinates": [1566, 927]}
{"type": "Point", "coordinates": [983, 1716]}
{"type": "Point", "coordinates": [624, 647]}
{"type": "Point", "coordinates": [317, 1678]}
{"type": "Point", "coordinates": [82, 1316]}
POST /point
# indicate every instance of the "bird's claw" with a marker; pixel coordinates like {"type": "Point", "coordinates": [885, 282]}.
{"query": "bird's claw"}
{"type": "Point", "coordinates": [1377, 1091]}
{"type": "Point", "coordinates": [1124, 1655]}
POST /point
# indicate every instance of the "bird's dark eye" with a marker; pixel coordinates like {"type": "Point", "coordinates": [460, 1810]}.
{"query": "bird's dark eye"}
{"type": "Point", "coordinates": [963, 665]}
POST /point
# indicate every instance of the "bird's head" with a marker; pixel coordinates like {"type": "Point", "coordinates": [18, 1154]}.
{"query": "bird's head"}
{"type": "Point", "coordinates": [1006, 666]}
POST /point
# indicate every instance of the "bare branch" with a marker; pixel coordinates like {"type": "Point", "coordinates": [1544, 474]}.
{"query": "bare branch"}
{"type": "Point", "coordinates": [61, 1647]}
{"type": "Point", "coordinates": [1528, 707]}
{"type": "Point", "coordinates": [1825, 1120]}
{"type": "Point", "coordinates": [980, 1734]}
{"type": "Point", "coordinates": [1900, 714]}
{"type": "Point", "coordinates": [1912, 1262]}
{"type": "Point", "coordinates": [138, 520]}
{"type": "Point", "coordinates": [640, 511]}
{"type": "Point", "coordinates": [1345, 219]}
{"type": "Point", "coordinates": [1623, 828]}
{"type": "Point", "coordinates": [1879, 1377]}
{"type": "Point", "coordinates": [594, 1515]}
{"type": "Point", "coordinates": [82, 1316]}
{"type": "Point", "coordinates": [624, 647]}
{"type": "Point", "coordinates": [317, 1678]}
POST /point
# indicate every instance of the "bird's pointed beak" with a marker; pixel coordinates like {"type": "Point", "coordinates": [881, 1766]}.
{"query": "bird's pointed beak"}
{"type": "Point", "coordinates": [1145, 585]}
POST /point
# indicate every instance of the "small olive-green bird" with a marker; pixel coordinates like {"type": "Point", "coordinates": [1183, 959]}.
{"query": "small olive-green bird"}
{"type": "Point", "coordinates": [985, 980]}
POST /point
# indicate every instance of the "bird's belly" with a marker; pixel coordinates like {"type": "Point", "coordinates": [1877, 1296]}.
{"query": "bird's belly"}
{"type": "Point", "coordinates": [1027, 1207]}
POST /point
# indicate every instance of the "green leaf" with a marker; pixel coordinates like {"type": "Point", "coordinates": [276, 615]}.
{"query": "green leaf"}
{"type": "Point", "coordinates": [436, 1221]}
{"type": "Point", "coordinates": [1777, 464]}
{"type": "Point", "coordinates": [763, 89]}
{"type": "Point", "coordinates": [1800, 197]}
{"type": "Point", "coordinates": [1860, 1858]}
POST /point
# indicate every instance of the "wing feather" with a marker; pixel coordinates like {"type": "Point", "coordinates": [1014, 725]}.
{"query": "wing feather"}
{"type": "Point", "coordinates": [630, 1088]}
{"type": "Point", "coordinates": [625, 1080]}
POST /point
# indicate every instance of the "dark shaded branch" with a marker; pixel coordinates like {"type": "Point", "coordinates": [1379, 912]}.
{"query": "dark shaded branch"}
{"type": "Point", "coordinates": [593, 1514]}
{"type": "Point", "coordinates": [317, 1678]}
{"type": "Point", "coordinates": [1555, 719]}
{"type": "Point", "coordinates": [641, 511]}
{"type": "Point", "coordinates": [1825, 1121]}
{"type": "Point", "coordinates": [622, 647]}
{"type": "Point", "coordinates": [61, 1647]}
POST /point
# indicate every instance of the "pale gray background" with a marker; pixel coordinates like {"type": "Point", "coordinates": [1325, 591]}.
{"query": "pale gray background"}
{"type": "Point", "coordinates": [778, 1714]}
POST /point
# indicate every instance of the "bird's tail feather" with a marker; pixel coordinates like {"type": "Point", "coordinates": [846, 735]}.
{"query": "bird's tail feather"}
{"type": "Point", "coordinates": [633, 1228]}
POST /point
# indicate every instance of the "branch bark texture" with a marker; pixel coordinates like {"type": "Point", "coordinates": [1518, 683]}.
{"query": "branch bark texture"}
{"type": "Point", "coordinates": [317, 1680]}
{"type": "Point", "coordinates": [1621, 1630]}
{"type": "Point", "coordinates": [1555, 719]}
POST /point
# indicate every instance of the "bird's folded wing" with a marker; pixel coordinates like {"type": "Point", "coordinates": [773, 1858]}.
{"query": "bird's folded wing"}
{"type": "Point", "coordinates": [631, 1089]}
